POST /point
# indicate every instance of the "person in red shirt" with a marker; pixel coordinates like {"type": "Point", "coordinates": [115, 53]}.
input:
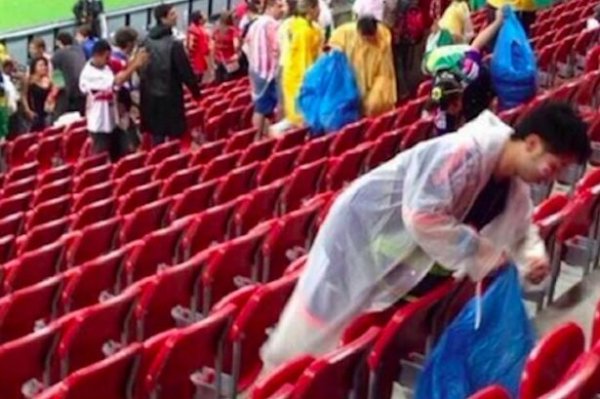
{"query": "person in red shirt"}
{"type": "Point", "coordinates": [198, 44]}
{"type": "Point", "coordinates": [226, 39]}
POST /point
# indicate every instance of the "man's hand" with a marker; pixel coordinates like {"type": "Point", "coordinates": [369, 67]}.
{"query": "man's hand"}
{"type": "Point", "coordinates": [539, 269]}
{"type": "Point", "coordinates": [141, 58]}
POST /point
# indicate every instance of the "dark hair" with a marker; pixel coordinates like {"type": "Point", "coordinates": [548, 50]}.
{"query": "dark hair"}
{"type": "Point", "coordinates": [445, 91]}
{"type": "Point", "coordinates": [367, 25]}
{"type": "Point", "coordinates": [161, 11]}
{"type": "Point", "coordinates": [34, 62]}
{"type": "Point", "coordinates": [196, 17]}
{"type": "Point", "coordinates": [100, 47]}
{"type": "Point", "coordinates": [65, 38]}
{"type": "Point", "coordinates": [560, 127]}
{"type": "Point", "coordinates": [292, 7]}
{"type": "Point", "coordinates": [226, 18]}
{"type": "Point", "coordinates": [39, 42]}
{"type": "Point", "coordinates": [125, 36]}
{"type": "Point", "coordinates": [85, 30]}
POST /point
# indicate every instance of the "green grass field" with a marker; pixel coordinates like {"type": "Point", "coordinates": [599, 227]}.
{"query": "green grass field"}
{"type": "Point", "coordinates": [17, 14]}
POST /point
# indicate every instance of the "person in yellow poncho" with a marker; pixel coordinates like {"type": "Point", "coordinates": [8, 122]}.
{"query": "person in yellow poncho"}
{"type": "Point", "coordinates": [303, 46]}
{"type": "Point", "coordinates": [525, 10]}
{"type": "Point", "coordinates": [368, 46]}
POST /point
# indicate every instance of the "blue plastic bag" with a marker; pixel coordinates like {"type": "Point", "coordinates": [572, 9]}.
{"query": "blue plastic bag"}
{"type": "Point", "coordinates": [329, 97]}
{"type": "Point", "coordinates": [466, 359]}
{"type": "Point", "coordinates": [514, 66]}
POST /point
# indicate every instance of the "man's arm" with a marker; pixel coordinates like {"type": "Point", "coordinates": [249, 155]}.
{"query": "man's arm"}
{"type": "Point", "coordinates": [489, 32]}
{"type": "Point", "coordinates": [182, 66]}
{"type": "Point", "coordinates": [138, 61]}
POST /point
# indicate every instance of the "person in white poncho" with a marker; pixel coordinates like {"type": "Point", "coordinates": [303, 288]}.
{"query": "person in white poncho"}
{"type": "Point", "coordinates": [461, 201]}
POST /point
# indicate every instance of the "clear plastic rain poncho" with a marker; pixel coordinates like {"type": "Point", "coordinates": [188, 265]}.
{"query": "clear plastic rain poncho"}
{"type": "Point", "coordinates": [387, 229]}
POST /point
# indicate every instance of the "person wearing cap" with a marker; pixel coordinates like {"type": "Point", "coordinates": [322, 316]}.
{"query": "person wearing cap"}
{"type": "Point", "coordinates": [445, 104]}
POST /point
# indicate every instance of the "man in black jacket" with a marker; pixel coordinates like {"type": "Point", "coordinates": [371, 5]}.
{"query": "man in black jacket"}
{"type": "Point", "coordinates": [161, 81]}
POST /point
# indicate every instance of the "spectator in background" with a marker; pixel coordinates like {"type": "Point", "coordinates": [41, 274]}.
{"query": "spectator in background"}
{"type": "Point", "coordinates": [456, 21]}
{"type": "Point", "coordinates": [86, 40]}
{"type": "Point", "coordinates": [198, 44]}
{"type": "Point", "coordinates": [39, 95]}
{"type": "Point", "coordinates": [445, 104]}
{"type": "Point", "coordinates": [525, 10]}
{"type": "Point", "coordinates": [162, 79]}
{"type": "Point", "coordinates": [37, 49]}
{"type": "Point", "coordinates": [91, 13]}
{"type": "Point", "coordinates": [303, 48]}
{"type": "Point", "coordinates": [125, 44]}
{"type": "Point", "coordinates": [263, 56]}
{"type": "Point", "coordinates": [325, 18]}
{"type": "Point", "coordinates": [9, 99]}
{"type": "Point", "coordinates": [226, 39]}
{"type": "Point", "coordinates": [98, 82]}
{"type": "Point", "coordinates": [368, 46]}
{"type": "Point", "coordinates": [68, 62]}
{"type": "Point", "coordinates": [283, 39]}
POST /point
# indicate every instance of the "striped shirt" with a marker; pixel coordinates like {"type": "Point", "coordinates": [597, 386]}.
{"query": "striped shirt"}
{"type": "Point", "coordinates": [262, 47]}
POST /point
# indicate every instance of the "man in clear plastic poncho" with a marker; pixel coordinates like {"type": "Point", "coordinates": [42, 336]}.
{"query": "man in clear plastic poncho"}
{"type": "Point", "coordinates": [461, 201]}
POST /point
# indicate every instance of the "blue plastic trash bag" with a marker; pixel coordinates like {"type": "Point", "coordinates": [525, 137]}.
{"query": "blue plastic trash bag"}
{"type": "Point", "coordinates": [466, 359]}
{"type": "Point", "coordinates": [514, 66]}
{"type": "Point", "coordinates": [329, 97]}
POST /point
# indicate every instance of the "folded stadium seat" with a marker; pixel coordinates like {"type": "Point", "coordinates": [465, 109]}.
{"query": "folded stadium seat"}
{"type": "Point", "coordinates": [595, 337]}
{"type": "Point", "coordinates": [257, 151]}
{"type": "Point", "coordinates": [42, 234]}
{"type": "Point", "coordinates": [207, 152]}
{"type": "Point", "coordinates": [236, 183]}
{"type": "Point", "coordinates": [546, 65]}
{"type": "Point", "coordinates": [109, 378]}
{"type": "Point", "coordinates": [343, 169]}
{"type": "Point", "coordinates": [586, 96]}
{"type": "Point", "coordinates": [170, 299]}
{"type": "Point", "coordinates": [232, 265]}
{"type": "Point", "coordinates": [73, 143]}
{"type": "Point", "coordinates": [404, 335]}
{"type": "Point", "coordinates": [250, 328]}
{"type": "Point", "coordinates": [29, 308]}
{"type": "Point", "coordinates": [289, 238]}
{"type": "Point", "coordinates": [91, 177]}
{"type": "Point", "coordinates": [581, 380]}
{"type": "Point", "coordinates": [90, 162]}
{"type": "Point", "coordinates": [15, 203]}
{"type": "Point", "coordinates": [589, 180]}
{"type": "Point", "coordinates": [195, 124]}
{"type": "Point", "coordinates": [512, 116]}
{"type": "Point", "coordinates": [133, 179]}
{"type": "Point", "coordinates": [240, 140]}
{"type": "Point", "coordinates": [220, 166]}
{"type": "Point", "coordinates": [277, 166]}
{"type": "Point", "coordinates": [242, 100]}
{"type": "Point", "coordinates": [582, 46]}
{"type": "Point", "coordinates": [129, 163]}
{"type": "Point", "coordinates": [19, 187]}
{"type": "Point", "coordinates": [13, 224]}
{"type": "Point", "coordinates": [550, 360]}
{"type": "Point", "coordinates": [221, 125]}
{"type": "Point", "coordinates": [181, 366]}
{"type": "Point", "coordinates": [291, 139]}
{"type": "Point", "coordinates": [96, 332]}
{"type": "Point", "coordinates": [96, 280]}
{"type": "Point", "coordinates": [411, 112]}
{"type": "Point", "coordinates": [94, 213]}
{"type": "Point", "coordinates": [315, 149]}
{"type": "Point", "coordinates": [163, 151]}
{"type": "Point", "coordinates": [349, 137]}
{"type": "Point", "coordinates": [304, 183]}
{"type": "Point", "coordinates": [182, 180]}
{"type": "Point", "coordinates": [47, 151]}
{"type": "Point", "coordinates": [592, 61]}
{"type": "Point", "coordinates": [280, 383]}
{"type": "Point", "coordinates": [256, 207]}
{"type": "Point", "coordinates": [32, 267]}
{"type": "Point", "coordinates": [139, 196]}
{"type": "Point", "coordinates": [565, 92]}
{"type": "Point", "coordinates": [144, 220]}
{"type": "Point", "coordinates": [8, 244]}
{"type": "Point", "coordinates": [52, 190]}
{"type": "Point", "coordinates": [194, 199]}
{"type": "Point", "coordinates": [424, 89]}
{"type": "Point", "coordinates": [17, 149]}
{"type": "Point", "coordinates": [170, 165]}
{"type": "Point", "coordinates": [380, 125]}
{"type": "Point", "coordinates": [48, 211]}
{"type": "Point", "coordinates": [384, 149]}
{"type": "Point", "coordinates": [326, 199]}
{"type": "Point", "coordinates": [491, 392]}
{"type": "Point", "coordinates": [23, 171]}
{"type": "Point", "coordinates": [92, 241]}
{"type": "Point", "coordinates": [296, 266]}
{"type": "Point", "coordinates": [25, 362]}
{"type": "Point", "coordinates": [55, 174]}
{"type": "Point", "coordinates": [217, 108]}
{"type": "Point", "coordinates": [159, 249]}
{"type": "Point", "coordinates": [564, 62]}
{"type": "Point", "coordinates": [417, 133]}
{"type": "Point", "coordinates": [209, 99]}
{"type": "Point", "coordinates": [53, 131]}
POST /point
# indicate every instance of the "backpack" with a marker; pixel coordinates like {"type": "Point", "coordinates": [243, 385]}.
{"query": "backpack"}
{"type": "Point", "coordinates": [410, 24]}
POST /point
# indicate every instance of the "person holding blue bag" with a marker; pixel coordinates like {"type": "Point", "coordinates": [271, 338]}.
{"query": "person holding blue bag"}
{"type": "Point", "coordinates": [457, 205]}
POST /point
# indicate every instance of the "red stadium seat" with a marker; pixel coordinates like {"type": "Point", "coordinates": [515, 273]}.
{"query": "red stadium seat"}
{"type": "Point", "coordinates": [15, 203]}
{"type": "Point", "coordinates": [181, 180]}
{"type": "Point", "coordinates": [17, 148]}
{"type": "Point", "coordinates": [55, 174]}
{"type": "Point", "coordinates": [314, 150]}
{"type": "Point", "coordinates": [492, 392]}
{"type": "Point", "coordinates": [19, 187]}
{"type": "Point", "coordinates": [93, 161]}
{"type": "Point", "coordinates": [194, 199]}
{"type": "Point", "coordinates": [92, 194]}
{"type": "Point", "coordinates": [207, 152]}
{"type": "Point", "coordinates": [128, 164]}
{"type": "Point", "coordinates": [280, 383]}
{"type": "Point", "coordinates": [53, 190]}
{"type": "Point", "coordinates": [257, 151]}
{"type": "Point", "coordinates": [144, 220]}
{"type": "Point", "coordinates": [384, 149]}
{"type": "Point", "coordinates": [20, 172]}
{"type": "Point", "coordinates": [171, 165]}
{"type": "Point", "coordinates": [92, 241]}
{"type": "Point", "coordinates": [12, 225]}
{"type": "Point", "coordinates": [163, 151]}
{"type": "Point", "coordinates": [236, 183]}
{"type": "Point", "coordinates": [256, 207]}
{"type": "Point", "coordinates": [48, 211]}
{"type": "Point", "coordinates": [135, 178]}
{"type": "Point", "coordinates": [72, 145]}
{"type": "Point", "coordinates": [240, 140]}
{"type": "Point", "coordinates": [91, 177]}
{"type": "Point", "coordinates": [33, 267]}
{"type": "Point", "coordinates": [43, 234]}
{"type": "Point", "coordinates": [219, 166]}
{"type": "Point", "coordinates": [346, 167]}
{"type": "Point", "coordinates": [278, 165]}
{"type": "Point", "coordinates": [94, 213]}
{"type": "Point", "coordinates": [349, 137]}
{"type": "Point", "coordinates": [381, 124]}
{"type": "Point", "coordinates": [304, 183]}
{"type": "Point", "coordinates": [291, 139]}
{"type": "Point", "coordinates": [139, 196]}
